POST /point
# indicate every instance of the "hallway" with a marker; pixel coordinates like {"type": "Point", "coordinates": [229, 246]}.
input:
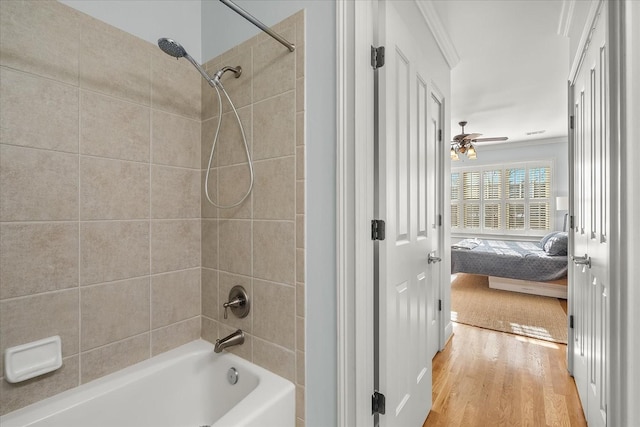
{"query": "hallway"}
{"type": "Point", "coordinates": [489, 378]}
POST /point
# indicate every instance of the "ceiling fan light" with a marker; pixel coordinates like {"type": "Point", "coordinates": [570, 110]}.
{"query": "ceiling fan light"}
{"type": "Point", "coordinates": [471, 153]}
{"type": "Point", "coordinates": [454, 155]}
{"type": "Point", "coordinates": [462, 149]}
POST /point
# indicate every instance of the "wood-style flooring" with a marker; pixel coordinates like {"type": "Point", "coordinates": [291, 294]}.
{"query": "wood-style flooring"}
{"type": "Point", "coordinates": [488, 378]}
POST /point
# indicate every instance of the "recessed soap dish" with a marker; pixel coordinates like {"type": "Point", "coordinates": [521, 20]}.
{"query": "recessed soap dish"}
{"type": "Point", "coordinates": [29, 360]}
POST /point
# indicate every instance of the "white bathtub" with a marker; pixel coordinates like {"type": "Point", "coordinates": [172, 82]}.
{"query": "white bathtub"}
{"type": "Point", "coordinates": [185, 387]}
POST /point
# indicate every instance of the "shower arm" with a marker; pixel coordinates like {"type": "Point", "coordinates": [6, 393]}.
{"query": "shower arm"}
{"type": "Point", "coordinates": [246, 15]}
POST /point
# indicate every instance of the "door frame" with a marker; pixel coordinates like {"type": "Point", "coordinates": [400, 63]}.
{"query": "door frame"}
{"type": "Point", "coordinates": [355, 33]}
{"type": "Point", "coordinates": [354, 175]}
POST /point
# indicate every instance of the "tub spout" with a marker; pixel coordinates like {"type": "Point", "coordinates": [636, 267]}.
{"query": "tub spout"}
{"type": "Point", "coordinates": [235, 338]}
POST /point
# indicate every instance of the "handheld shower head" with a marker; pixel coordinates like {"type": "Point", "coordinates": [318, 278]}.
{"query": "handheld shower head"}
{"type": "Point", "coordinates": [173, 48]}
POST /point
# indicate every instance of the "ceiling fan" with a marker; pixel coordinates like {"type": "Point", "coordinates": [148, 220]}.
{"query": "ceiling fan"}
{"type": "Point", "coordinates": [464, 143]}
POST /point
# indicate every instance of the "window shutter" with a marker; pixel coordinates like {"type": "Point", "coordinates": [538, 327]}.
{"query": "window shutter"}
{"type": "Point", "coordinates": [471, 185]}
{"type": "Point", "coordinates": [492, 216]}
{"type": "Point", "coordinates": [539, 214]}
{"type": "Point", "coordinates": [540, 183]}
{"type": "Point", "coordinates": [455, 216]}
{"type": "Point", "coordinates": [515, 216]}
{"type": "Point", "coordinates": [492, 184]}
{"type": "Point", "coordinates": [471, 216]}
{"type": "Point", "coordinates": [515, 183]}
{"type": "Point", "coordinates": [455, 186]}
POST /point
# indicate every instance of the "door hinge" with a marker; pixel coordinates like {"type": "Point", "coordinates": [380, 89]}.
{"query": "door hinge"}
{"type": "Point", "coordinates": [377, 57]}
{"type": "Point", "coordinates": [571, 122]}
{"type": "Point", "coordinates": [571, 222]}
{"type": "Point", "coordinates": [439, 135]}
{"type": "Point", "coordinates": [439, 220]}
{"type": "Point", "coordinates": [377, 229]}
{"type": "Point", "coordinates": [571, 321]}
{"type": "Point", "coordinates": [377, 403]}
{"type": "Point", "coordinates": [439, 305]}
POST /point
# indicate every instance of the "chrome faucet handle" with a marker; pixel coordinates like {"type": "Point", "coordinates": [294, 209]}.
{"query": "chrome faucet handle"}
{"type": "Point", "coordinates": [238, 302]}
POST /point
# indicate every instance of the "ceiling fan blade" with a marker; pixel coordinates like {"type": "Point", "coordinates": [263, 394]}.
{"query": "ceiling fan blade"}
{"type": "Point", "coordinates": [460, 137]}
{"type": "Point", "coordinates": [500, 138]}
{"type": "Point", "coordinates": [472, 136]}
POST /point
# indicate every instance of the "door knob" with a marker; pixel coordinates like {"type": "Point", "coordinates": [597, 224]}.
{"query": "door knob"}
{"type": "Point", "coordinates": [433, 258]}
{"type": "Point", "coordinates": [582, 260]}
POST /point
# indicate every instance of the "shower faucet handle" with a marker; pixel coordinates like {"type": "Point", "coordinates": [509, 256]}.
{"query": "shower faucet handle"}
{"type": "Point", "coordinates": [238, 302]}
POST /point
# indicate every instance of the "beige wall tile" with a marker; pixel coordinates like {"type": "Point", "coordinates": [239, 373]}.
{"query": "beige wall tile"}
{"type": "Point", "coordinates": [299, 422]}
{"type": "Point", "coordinates": [271, 59]}
{"type": "Point", "coordinates": [175, 86]}
{"type": "Point", "coordinates": [300, 161]}
{"type": "Point", "coordinates": [300, 130]}
{"type": "Point", "coordinates": [300, 95]}
{"type": "Point", "coordinates": [300, 271]}
{"type": "Point", "coordinates": [175, 297]}
{"type": "Point", "coordinates": [113, 250]}
{"type": "Point", "coordinates": [113, 357]}
{"type": "Point", "coordinates": [37, 257]}
{"type": "Point", "coordinates": [113, 189]}
{"type": "Point", "coordinates": [300, 63]}
{"type": "Point", "coordinates": [274, 138]}
{"type": "Point", "coordinates": [176, 140]}
{"type": "Point", "coordinates": [300, 203]}
{"type": "Point", "coordinates": [274, 313]}
{"type": "Point", "coordinates": [175, 192]}
{"type": "Point", "coordinates": [209, 97]}
{"type": "Point", "coordinates": [239, 89]}
{"type": "Point", "coordinates": [274, 358]}
{"type": "Point", "coordinates": [36, 112]}
{"type": "Point", "coordinates": [175, 335]}
{"type": "Point", "coordinates": [206, 208]}
{"type": "Point", "coordinates": [114, 311]}
{"type": "Point", "coordinates": [274, 251]}
{"type": "Point", "coordinates": [210, 304]}
{"type": "Point", "coordinates": [300, 362]}
{"type": "Point", "coordinates": [300, 293]}
{"type": "Point", "coordinates": [300, 392]}
{"type": "Point", "coordinates": [37, 185]}
{"type": "Point", "coordinates": [274, 189]}
{"type": "Point", "coordinates": [209, 243]}
{"type": "Point", "coordinates": [233, 185]}
{"type": "Point", "coordinates": [40, 316]}
{"type": "Point", "coordinates": [228, 281]}
{"type": "Point", "coordinates": [230, 149]}
{"type": "Point", "coordinates": [114, 62]}
{"type": "Point", "coordinates": [300, 333]}
{"type": "Point", "coordinates": [40, 38]}
{"type": "Point", "coordinates": [300, 232]}
{"type": "Point", "coordinates": [15, 396]}
{"type": "Point", "coordinates": [110, 127]}
{"type": "Point", "coordinates": [235, 239]}
{"type": "Point", "coordinates": [175, 245]}
{"type": "Point", "coordinates": [208, 132]}
{"type": "Point", "coordinates": [209, 330]}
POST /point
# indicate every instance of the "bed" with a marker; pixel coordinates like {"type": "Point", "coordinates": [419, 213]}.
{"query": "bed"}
{"type": "Point", "coordinates": [532, 267]}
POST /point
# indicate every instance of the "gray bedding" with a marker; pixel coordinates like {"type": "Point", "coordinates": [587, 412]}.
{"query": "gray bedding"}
{"type": "Point", "coordinates": [514, 260]}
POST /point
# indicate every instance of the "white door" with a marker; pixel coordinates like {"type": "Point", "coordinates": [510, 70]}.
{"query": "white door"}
{"type": "Point", "coordinates": [406, 198]}
{"type": "Point", "coordinates": [590, 287]}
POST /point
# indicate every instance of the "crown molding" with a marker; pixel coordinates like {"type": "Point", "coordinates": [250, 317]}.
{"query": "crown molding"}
{"type": "Point", "coordinates": [441, 35]}
{"type": "Point", "coordinates": [522, 143]}
{"type": "Point", "coordinates": [566, 17]}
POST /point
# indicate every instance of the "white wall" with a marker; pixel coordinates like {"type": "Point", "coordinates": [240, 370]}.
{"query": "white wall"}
{"type": "Point", "coordinates": [150, 19]}
{"type": "Point", "coordinates": [222, 29]}
{"type": "Point", "coordinates": [556, 150]}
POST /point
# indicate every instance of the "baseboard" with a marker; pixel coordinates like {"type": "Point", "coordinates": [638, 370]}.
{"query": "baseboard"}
{"type": "Point", "coordinates": [555, 289]}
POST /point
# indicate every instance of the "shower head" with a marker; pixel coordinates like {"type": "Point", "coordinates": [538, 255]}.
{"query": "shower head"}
{"type": "Point", "coordinates": [173, 48]}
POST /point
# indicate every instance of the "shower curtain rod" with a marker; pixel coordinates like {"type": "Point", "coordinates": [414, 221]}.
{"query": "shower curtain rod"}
{"type": "Point", "coordinates": [246, 15]}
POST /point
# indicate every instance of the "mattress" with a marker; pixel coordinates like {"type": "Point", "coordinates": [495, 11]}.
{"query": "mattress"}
{"type": "Point", "coordinates": [511, 259]}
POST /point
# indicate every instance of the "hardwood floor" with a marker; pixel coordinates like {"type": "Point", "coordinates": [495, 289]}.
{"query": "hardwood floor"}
{"type": "Point", "coordinates": [488, 378]}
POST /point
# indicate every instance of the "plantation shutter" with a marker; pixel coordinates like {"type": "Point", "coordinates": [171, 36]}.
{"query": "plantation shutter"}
{"type": "Point", "coordinates": [471, 197]}
{"type": "Point", "coordinates": [471, 216]}
{"type": "Point", "coordinates": [540, 198]}
{"type": "Point", "coordinates": [455, 200]}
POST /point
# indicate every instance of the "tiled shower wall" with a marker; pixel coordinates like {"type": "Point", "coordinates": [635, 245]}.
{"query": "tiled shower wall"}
{"type": "Point", "coordinates": [102, 229]}
{"type": "Point", "coordinates": [99, 195]}
{"type": "Point", "coordinates": [259, 244]}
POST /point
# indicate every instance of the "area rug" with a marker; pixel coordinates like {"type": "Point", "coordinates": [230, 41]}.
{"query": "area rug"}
{"type": "Point", "coordinates": [474, 303]}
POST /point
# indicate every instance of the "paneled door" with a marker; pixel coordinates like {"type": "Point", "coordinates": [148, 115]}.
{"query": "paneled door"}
{"type": "Point", "coordinates": [406, 192]}
{"type": "Point", "coordinates": [589, 304]}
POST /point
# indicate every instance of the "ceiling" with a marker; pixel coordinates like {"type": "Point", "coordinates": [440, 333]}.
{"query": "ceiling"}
{"type": "Point", "coordinates": [512, 75]}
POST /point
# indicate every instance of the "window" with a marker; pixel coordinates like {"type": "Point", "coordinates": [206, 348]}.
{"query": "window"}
{"type": "Point", "coordinates": [502, 200]}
